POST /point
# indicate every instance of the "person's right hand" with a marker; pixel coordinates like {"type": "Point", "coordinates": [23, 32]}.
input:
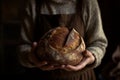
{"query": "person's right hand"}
{"type": "Point", "coordinates": [43, 65]}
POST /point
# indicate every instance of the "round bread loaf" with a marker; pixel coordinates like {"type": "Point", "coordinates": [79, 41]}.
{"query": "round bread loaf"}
{"type": "Point", "coordinates": [61, 46]}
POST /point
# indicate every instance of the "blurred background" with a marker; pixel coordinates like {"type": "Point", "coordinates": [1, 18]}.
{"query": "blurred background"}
{"type": "Point", "coordinates": [10, 31]}
{"type": "Point", "coordinates": [9, 35]}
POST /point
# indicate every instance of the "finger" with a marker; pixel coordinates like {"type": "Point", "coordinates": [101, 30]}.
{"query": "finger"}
{"type": "Point", "coordinates": [80, 66]}
{"type": "Point", "coordinates": [40, 64]}
{"type": "Point", "coordinates": [89, 56]}
{"type": "Point", "coordinates": [65, 68]}
{"type": "Point", "coordinates": [86, 53]}
{"type": "Point", "coordinates": [48, 67]}
{"type": "Point", "coordinates": [34, 45]}
{"type": "Point", "coordinates": [32, 56]}
{"type": "Point", "coordinates": [77, 67]}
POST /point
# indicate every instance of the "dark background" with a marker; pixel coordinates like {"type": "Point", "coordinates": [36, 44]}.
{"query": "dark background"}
{"type": "Point", "coordinates": [10, 27]}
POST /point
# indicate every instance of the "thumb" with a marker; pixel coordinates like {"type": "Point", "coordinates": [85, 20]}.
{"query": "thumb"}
{"type": "Point", "coordinates": [89, 57]}
{"type": "Point", "coordinates": [32, 57]}
{"type": "Point", "coordinates": [34, 45]}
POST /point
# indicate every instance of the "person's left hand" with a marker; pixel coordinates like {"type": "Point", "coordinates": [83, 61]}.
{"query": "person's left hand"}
{"type": "Point", "coordinates": [88, 59]}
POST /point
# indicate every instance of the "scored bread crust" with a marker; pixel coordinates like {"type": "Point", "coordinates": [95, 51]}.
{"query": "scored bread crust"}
{"type": "Point", "coordinates": [61, 46]}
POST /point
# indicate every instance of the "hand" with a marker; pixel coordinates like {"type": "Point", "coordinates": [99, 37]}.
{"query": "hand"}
{"type": "Point", "coordinates": [88, 59]}
{"type": "Point", "coordinates": [43, 65]}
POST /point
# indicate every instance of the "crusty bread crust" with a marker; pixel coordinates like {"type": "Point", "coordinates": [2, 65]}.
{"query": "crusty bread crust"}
{"type": "Point", "coordinates": [61, 46]}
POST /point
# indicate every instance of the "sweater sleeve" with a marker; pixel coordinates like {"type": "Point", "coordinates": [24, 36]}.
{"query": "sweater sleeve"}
{"type": "Point", "coordinates": [27, 25]}
{"type": "Point", "coordinates": [96, 41]}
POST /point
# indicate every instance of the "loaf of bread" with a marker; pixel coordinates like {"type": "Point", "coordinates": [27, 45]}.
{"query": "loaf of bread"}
{"type": "Point", "coordinates": [61, 46]}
